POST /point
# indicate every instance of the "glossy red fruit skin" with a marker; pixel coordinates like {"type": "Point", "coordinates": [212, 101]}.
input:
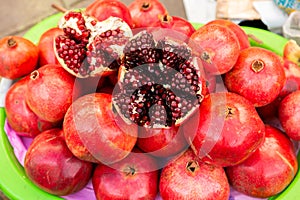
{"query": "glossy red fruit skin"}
{"type": "Point", "coordinates": [174, 23]}
{"type": "Point", "coordinates": [239, 32]}
{"type": "Point", "coordinates": [258, 75]}
{"type": "Point", "coordinates": [187, 177]}
{"type": "Point", "coordinates": [146, 12]}
{"type": "Point", "coordinates": [269, 170]}
{"type": "Point", "coordinates": [51, 166]}
{"type": "Point", "coordinates": [292, 73]}
{"type": "Point", "coordinates": [219, 47]}
{"type": "Point", "coordinates": [93, 133]}
{"type": "Point", "coordinates": [162, 142]}
{"type": "Point", "coordinates": [134, 177]}
{"type": "Point", "coordinates": [46, 48]}
{"type": "Point", "coordinates": [50, 92]}
{"type": "Point", "coordinates": [18, 57]}
{"type": "Point", "coordinates": [228, 129]}
{"type": "Point", "coordinates": [19, 116]}
{"type": "Point", "coordinates": [103, 9]}
{"type": "Point", "coordinates": [289, 115]}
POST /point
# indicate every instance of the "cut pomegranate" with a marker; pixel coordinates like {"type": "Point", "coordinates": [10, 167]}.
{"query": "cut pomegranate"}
{"type": "Point", "coordinates": [88, 47]}
{"type": "Point", "coordinates": [160, 81]}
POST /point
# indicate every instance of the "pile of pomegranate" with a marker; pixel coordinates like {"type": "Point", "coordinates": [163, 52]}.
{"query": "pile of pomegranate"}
{"type": "Point", "coordinates": [145, 106]}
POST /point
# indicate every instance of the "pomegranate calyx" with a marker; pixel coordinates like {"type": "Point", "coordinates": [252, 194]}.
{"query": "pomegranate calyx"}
{"type": "Point", "coordinates": [34, 75]}
{"type": "Point", "coordinates": [11, 42]}
{"type": "Point", "coordinates": [192, 166]}
{"type": "Point", "coordinates": [257, 65]}
{"type": "Point", "coordinates": [146, 6]}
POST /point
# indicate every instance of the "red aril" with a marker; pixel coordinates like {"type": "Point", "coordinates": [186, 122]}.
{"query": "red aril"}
{"type": "Point", "coordinates": [146, 12]}
{"type": "Point", "coordinates": [289, 115]}
{"type": "Point", "coordinates": [258, 75]}
{"type": "Point", "coordinates": [187, 177]}
{"type": "Point", "coordinates": [18, 57]}
{"type": "Point", "coordinates": [269, 170]}
{"type": "Point", "coordinates": [46, 48]}
{"type": "Point", "coordinates": [239, 32]}
{"type": "Point", "coordinates": [51, 166]}
{"type": "Point", "coordinates": [94, 134]}
{"type": "Point", "coordinates": [226, 130]}
{"type": "Point", "coordinates": [19, 116]}
{"type": "Point", "coordinates": [134, 177]}
{"type": "Point", "coordinates": [103, 9]}
{"type": "Point", "coordinates": [50, 92]}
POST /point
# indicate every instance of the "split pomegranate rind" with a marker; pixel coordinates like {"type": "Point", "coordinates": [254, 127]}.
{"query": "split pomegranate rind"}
{"type": "Point", "coordinates": [88, 47]}
{"type": "Point", "coordinates": [160, 83]}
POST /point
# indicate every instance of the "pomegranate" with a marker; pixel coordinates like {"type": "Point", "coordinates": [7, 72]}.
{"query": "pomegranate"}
{"type": "Point", "coordinates": [19, 116]}
{"type": "Point", "coordinates": [160, 83]}
{"type": "Point", "coordinates": [269, 170]}
{"type": "Point", "coordinates": [174, 23]}
{"type": "Point", "coordinates": [289, 116]}
{"type": "Point", "coordinates": [226, 130]}
{"type": "Point", "coordinates": [162, 142]}
{"type": "Point", "coordinates": [50, 92]}
{"type": "Point", "coordinates": [292, 73]}
{"type": "Point", "coordinates": [220, 47]}
{"type": "Point", "coordinates": [291, 51]}
{"type": "Point", "coordinates": [239, 32]}
{"type": "Point", "coordinates": [134, 177]}
{"type": "Point", "coordinates": [146, 12]}
{"type": "Point", "coordinates": [19, 57]}
{"type": "Point", "coordinates": [51, 166]}
{"type": "Point", "coordinates": [89, 47]}
{"type": "Point", "coordinates": [258, 75]}
{"type": "Point", "coordinates": [103, 9]}
{"type": "Point", "coordinates": [93, 133]}
{"type": "Point", "coordinates": [187, 177]}
{"type": "Point", "coordinates": [45, 46]}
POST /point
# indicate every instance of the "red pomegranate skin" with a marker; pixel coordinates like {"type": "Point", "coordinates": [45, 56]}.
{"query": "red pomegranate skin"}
{"type": "Point", "coordinates": [103, 9]}
{"type": "Point", "coordinates": [162, 142]}
{"type": "Point", "coordinates": [50, 92]}
{"type": "Point", "coordinates": [146, 12]}
{"type": "Point", "coordinates": [239, 32]}
{"type": "Point", "coordinates": [46, 46]}
{"type": "Point", "coordinates": [258, 75]}
{"type": "Point", "coordinates": [51, 166]}
{"type": "Point", "coordinates": [292, 73]}
{"type": "Point", "coordinates": [269, 170]}
{"type": "Point", "coordinates": [289, 115]}
{"type": "Point", "coordinates": [19, 116]}
{"type": "Point", "coordinates": [227, 129]}
{"type": "Point", "coordinates": [219, 47]}
{"type": "Point", "coordinates": [18, 57]}
{"type": "Point", "coordinates": [94, 134]}
{"type": "Point", "coordinates": [134, 177]}
{"type": "Point", "coordinates": [187, 177]}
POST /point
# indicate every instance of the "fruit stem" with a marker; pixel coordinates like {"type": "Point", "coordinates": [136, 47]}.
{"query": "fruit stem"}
{"type": "Point", "coordinates": [253, 37]}
{"type": "Point", "coordinates": [58, 8]}
{"type": "Point", "coordinates": [11, 42]}
{"type": "Point", "coordinates": [257, 65]}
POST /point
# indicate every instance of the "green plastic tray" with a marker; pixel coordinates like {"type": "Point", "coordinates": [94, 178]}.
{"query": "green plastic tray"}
{"type": "Point", "coordinates": [13, 181]}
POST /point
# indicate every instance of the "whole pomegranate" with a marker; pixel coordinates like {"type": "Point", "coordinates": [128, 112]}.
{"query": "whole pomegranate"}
{"type": "Point", "coordinates": [94, 134]}
{"type": "Point", "coordinates": [103, 9]}
{"type": "Point", "coordinates": [45, 46]}
{"type": "Point", "coordinates": [134, 177]}
{"type": "Point", "coordinates": [187, 178]}
{"type": "Point", "coordinates": [226, 130]}
{"type": "Point", "coordinates": [269, 170]}
{"type": "Point", "coordinates": [89, 47]}
{"type": "Point", "coordinates": [146, 12]}
{"type": "Point", "coordinates": [18, 57]}
{"type": "Point", "coordinates": [174, 23]}
{"type": "Point", "coordinates": [51, 166]}
{"type": "Point", "coordinates": [258, 75]}
{"type": "Point", "coordinates": [289, 116]}
{"type": "Point", "coordinates": [50, 92]}
{"type": "Point", "coordinates": [219, 47]}
{"type": "Point", "coordinates": [19, 116]}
